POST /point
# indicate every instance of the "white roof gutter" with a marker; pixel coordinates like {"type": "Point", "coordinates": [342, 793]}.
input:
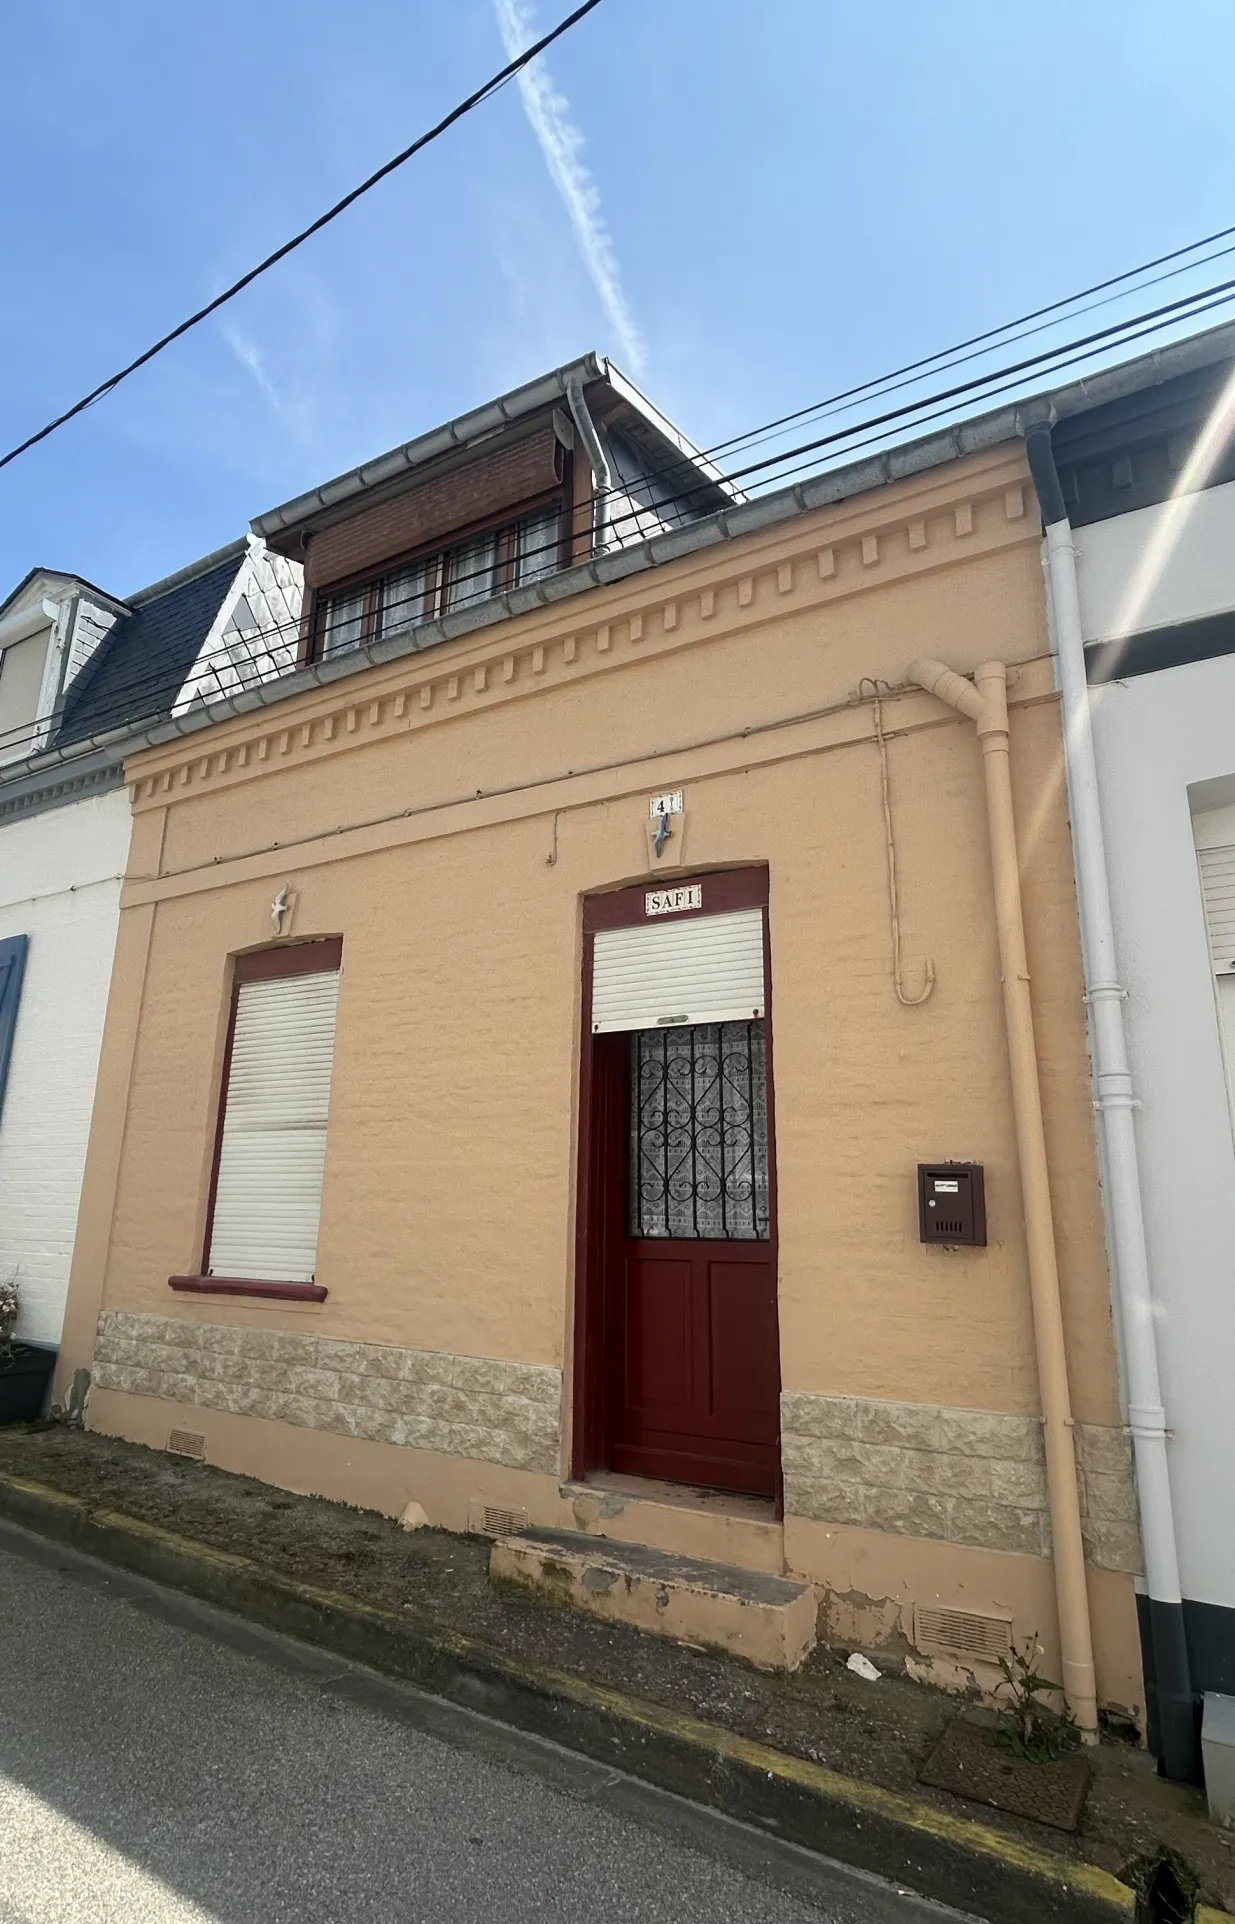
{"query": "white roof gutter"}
{"type": "Point", "coordinates": [970, 436]}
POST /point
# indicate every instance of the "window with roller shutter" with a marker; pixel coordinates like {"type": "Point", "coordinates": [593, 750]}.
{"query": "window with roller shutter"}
{"type": "Point", "coordinates": [707, 968]}
{"type": "Point", "coordinates": [1217, 866]}
{"type": "Point", "coordinates": [271, 1144]}
{"type": "Point", "coordinates": [507, 555]}
{"type": "Point", "coordinates": [1218, 892]}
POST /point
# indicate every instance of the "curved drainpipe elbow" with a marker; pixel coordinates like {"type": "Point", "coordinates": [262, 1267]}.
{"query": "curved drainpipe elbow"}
{"type": "Point", "coordinates": [946, 685]}
{"type": "Point", "coordinates": [602, 476]}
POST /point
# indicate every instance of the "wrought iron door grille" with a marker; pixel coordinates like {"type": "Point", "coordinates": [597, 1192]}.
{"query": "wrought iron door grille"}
{"type": "Point", "coordinates": [699, 1133]}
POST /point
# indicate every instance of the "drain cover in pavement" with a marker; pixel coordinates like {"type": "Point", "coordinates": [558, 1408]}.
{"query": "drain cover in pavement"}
{"type": "Point", "coordinates": [968, 1764]}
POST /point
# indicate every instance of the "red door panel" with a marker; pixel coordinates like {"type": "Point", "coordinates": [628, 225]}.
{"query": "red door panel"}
{"type": "Point", "coordinates": [659, 1335]}
{"type": "Point", "coordinates": [743, 1350]}
{"type": "Point", "coordinates": [707, 1412]}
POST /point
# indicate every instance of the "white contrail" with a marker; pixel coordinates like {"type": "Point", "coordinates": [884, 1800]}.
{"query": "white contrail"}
{"type": "Point", "coordinates": [561, 143]}
{"type": "Point", "coordinates": [249, 356]}
{"type": "Point", "coordinates": [293, 412]}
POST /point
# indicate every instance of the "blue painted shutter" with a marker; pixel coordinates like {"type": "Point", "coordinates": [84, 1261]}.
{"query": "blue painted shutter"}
{"type": "Point", "coordinates": [12, 968]}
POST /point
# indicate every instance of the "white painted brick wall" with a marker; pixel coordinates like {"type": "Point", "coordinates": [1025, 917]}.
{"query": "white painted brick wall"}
{"type": "Point", "coordinates": [59, 886]}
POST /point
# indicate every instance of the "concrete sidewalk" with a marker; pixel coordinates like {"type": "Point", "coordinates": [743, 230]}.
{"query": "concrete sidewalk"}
{"type": "Point", "coordinates": [819, 1757]}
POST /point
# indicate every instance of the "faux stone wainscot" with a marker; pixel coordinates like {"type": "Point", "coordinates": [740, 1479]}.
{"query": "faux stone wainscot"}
{"type": "Point", "coordinates": [473, 1406]}
{"type": "Point", "coordinates": [962, 1476]}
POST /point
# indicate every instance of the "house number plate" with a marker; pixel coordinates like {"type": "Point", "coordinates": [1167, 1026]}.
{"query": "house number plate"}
{"type": "Point", "coordinates": [673, 901]}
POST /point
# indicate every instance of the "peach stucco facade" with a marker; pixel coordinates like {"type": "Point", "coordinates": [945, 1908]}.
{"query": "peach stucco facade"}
{"type": "Point", "coordinates": [446, 814]}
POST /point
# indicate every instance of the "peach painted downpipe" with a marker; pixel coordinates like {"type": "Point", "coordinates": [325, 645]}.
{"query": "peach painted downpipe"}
{"type": "Point", "coordinates": [985, 702]}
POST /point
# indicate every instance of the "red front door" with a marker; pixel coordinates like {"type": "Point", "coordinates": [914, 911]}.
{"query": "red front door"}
{"type": "Point", "coordinates": [691, 1350]}
{"type": "Point", "coordinates": [677, 1353]}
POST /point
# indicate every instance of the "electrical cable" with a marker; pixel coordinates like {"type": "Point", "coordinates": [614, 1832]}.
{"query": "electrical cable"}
{"type": "Point", "coordinates": [824, 409]}
{"type": "Point", "coordinates": [237, 652]}
{"type": "Point", "coordinates": [751, 732]}
{"type": "Point", "coordinates": [1171, 309]}
{"type": "Point", "coordinates": [1225, 299]}
{"type": "Point", "coordinates": [481, 94]}
{"type": "Point", "coordinates": [992, 334]}
{"type": "Point", "coordinates": [276, 646]}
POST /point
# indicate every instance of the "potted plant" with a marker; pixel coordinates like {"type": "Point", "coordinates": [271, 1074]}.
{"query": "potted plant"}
{"type": "Point", "coordinates": [25, 1368]}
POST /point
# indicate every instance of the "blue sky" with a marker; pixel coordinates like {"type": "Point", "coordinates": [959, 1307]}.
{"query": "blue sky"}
{"type": "Point", "coordinates": [798, 194]}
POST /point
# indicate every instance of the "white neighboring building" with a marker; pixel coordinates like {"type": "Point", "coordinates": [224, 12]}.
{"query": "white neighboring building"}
{"type": "Point", "coordinates": [82, 674]}
{"type": "Point", "coordinates": [1149, 486]}
{"type": "Point", "coordinates": [60, 896]}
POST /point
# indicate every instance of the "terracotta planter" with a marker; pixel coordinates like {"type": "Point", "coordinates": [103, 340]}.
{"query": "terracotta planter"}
{"type": "Point", "coordinates": [25, 1379]}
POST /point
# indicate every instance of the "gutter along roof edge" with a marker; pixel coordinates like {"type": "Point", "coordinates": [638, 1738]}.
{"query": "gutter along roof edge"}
{"type": "Point", "coordinates": [58, 785]}
{"type": "Point", "coordinates": [1161, 364]}
{"type": "Point", "coordinates": [229, 551]}
{"type": "Point", "coordinates": [468, 430]}
{"type": "Point", "coordinates": [452, 435]}
{"type": "Point", "coordinates": [896, 463]}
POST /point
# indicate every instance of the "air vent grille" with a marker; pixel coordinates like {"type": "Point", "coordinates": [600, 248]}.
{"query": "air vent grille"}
{"type": "Point", "coordinates": [497, 1522]}
{"type": "Point", "coordinates": [186, 1443]}
{"type": "Point", "coordinates": [963, 1633]}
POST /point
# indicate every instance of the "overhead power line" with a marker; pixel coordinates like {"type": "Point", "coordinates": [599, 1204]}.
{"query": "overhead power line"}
{"type": "Point", "coordinates": [1171, 310]}
{"type": "Point", "coordinates": [628, 524]}
{"type": "Point", "coordinates": [315, 227]}
{"type": "Point", "coordinates": [1017, 329]}
{"type": "Point", "coordinates": [932, 365]}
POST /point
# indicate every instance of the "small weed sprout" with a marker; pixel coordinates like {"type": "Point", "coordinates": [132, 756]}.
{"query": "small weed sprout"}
{"type": "Point", "coordinates": [1028, 1725]}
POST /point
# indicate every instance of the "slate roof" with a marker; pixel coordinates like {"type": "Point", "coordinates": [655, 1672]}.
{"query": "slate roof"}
{"type": "Point", "coordinates": [138, 669]}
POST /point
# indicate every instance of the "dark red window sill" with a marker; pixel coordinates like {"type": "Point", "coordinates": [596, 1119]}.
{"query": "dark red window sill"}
{"type": "Point", "coordinates": [242, 1286]}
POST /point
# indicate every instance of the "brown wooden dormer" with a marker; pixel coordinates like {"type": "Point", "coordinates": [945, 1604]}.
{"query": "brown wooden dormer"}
{"type": "Point", "coordinates": [492, 502]}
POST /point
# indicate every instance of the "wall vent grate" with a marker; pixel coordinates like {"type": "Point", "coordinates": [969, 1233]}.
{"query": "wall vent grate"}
{"type": "Point", "coordinates": [963, 1633]}
{"type": "Point", "coordinates": [186, 1443]}
{"type": "Point", "coordinates": [496, 1522]}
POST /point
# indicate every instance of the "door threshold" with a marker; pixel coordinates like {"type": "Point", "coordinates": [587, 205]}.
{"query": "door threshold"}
{"type": "Point", "coordinates": [682, 1496]}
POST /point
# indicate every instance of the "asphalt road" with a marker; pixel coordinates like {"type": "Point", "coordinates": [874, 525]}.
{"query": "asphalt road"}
{"type": "Point", "coordinates": [162, 1764]}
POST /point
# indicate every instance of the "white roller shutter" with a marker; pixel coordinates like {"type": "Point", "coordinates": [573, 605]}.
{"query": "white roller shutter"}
{"type": "Point", "coordinates": [708, 968]}
{"type": "Point", "coordinates": [1218, 891]}
{"type": "Point", "coordinates": [269, 1187]}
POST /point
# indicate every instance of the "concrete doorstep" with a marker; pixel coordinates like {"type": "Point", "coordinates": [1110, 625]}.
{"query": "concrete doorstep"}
{"type": "Point", "coordinates": [953, 1858]}
{"type": "Point", "coordinates": [768, 1620]}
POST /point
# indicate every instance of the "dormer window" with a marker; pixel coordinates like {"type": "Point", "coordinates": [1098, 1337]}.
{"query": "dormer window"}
{"type": "Point", "coordinates": [343, 622]}
{"type": "Point", "coordinates": [537, 539]}
{"type": "Point", "coordinates": [489, 562]}
{"type": "Point", "coordinates": [404, 598]}
{"type": "Point", "coordinates": [50, 627]}
{"type": "Point", "coordinates": [471, 571]}
{"type": "Point", "coordinates": [23, 666]}
{"type": "Point", "coordinates": [491, 504]}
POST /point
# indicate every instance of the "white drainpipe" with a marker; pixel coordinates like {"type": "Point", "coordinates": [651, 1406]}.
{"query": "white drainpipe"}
{"type": "Point", "coordinates": [1115, 1102]}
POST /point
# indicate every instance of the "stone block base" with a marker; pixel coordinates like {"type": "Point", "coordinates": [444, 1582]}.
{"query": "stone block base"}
{"type": "Point", "coordinates": [976, 1477]}
{"type": "Point", "coordinates": [476, 1406]}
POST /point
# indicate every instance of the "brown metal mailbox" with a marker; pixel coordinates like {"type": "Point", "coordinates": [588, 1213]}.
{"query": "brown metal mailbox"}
{"type": "Point", "coordinates": [952, 1203]}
